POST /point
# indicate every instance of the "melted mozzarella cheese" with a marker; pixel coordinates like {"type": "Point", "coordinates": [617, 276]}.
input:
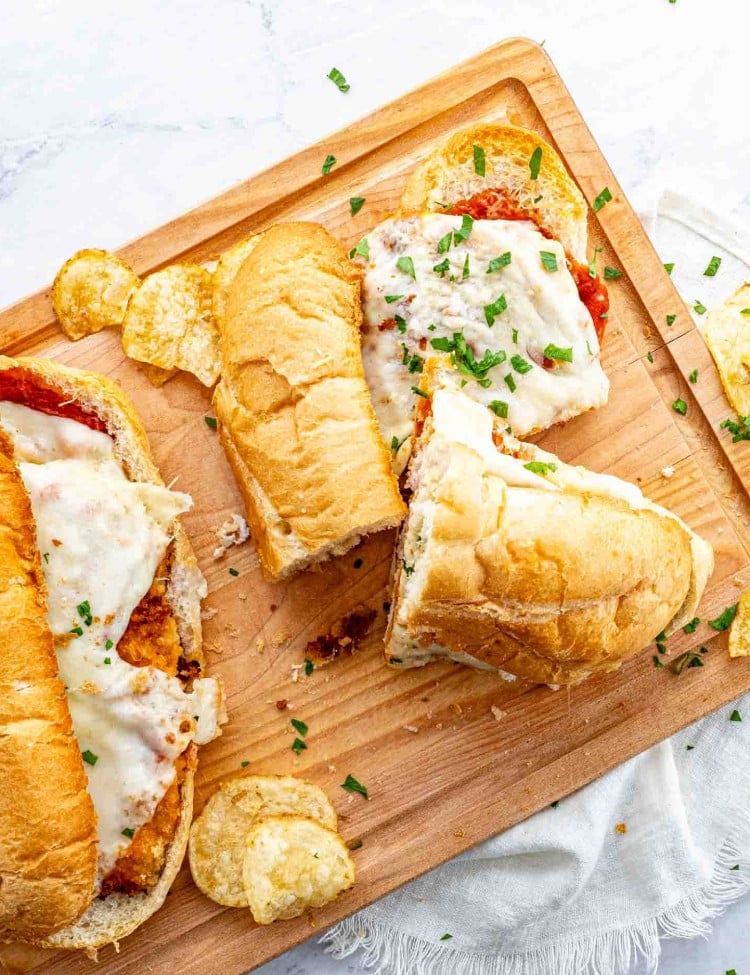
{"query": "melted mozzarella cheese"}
{"type": "Point", "coordinates": [102, 538]}
{"type": "Point", "coordinates": [542, 308]}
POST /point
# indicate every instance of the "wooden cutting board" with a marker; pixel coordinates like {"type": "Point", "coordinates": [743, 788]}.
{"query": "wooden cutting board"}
{"type": "Point", "coordinates": [442, 772]}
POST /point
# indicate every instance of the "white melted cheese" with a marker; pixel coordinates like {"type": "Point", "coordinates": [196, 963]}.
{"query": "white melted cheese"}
{"type": "Point", "coordinates": [102, 538]}
{"type": "Point", "coordinates": [543, 308]}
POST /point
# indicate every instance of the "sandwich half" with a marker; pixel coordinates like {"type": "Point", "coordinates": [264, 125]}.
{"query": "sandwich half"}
{"type": "Point", "coordinates": [511, 560]}
{"type": "Point", "coordinates": [104, 701]}
{"type": "Point", "coordinates": [483, 271]}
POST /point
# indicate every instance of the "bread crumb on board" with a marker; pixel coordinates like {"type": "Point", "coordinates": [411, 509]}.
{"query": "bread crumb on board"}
{"type": "Point", "coordinates": [621, 828]}
{"type": "Point", "coordinates": [497, 714]}
{"type": "Point", "coordinates": [234, 531]}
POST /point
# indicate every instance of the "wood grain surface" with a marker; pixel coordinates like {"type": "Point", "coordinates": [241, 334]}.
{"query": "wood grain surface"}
{"type": "Point", "coordinates": [463, 776]}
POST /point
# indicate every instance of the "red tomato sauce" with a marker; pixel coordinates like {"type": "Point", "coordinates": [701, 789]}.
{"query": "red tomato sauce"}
{"type": "Point", "coordinates": [500, 205]}
{"type": "Point", "coordinates": [20, 386]}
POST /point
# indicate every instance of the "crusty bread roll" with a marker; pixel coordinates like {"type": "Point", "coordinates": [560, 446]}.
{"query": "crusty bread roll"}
{"type": "Point", "coordinates": [448, 174]}
{"type": "Point", "coordinates": [549, 573]}
{"type": "Point", "coordinates": [48, 840]}
{"type": "Point", "coordinates": [56, 389]}
{"type": "Point", "coordinates": [295, 416]}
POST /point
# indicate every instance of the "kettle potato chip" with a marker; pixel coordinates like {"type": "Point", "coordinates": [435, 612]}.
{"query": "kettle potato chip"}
{"type": "Point", "coordinates": [91, 291]}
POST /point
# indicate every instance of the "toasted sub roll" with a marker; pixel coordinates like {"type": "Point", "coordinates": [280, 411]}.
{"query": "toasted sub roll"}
{"type": "Point", "coordinates": [48, 844]}
{"type": "Point", "coordinates": [132, 685]}
{"type": "Point", "coordinates": [293, 407]}
{"type": "Point", "coordinates": [449, 174]}
{"type": "Point", "coordinates": [512, 560]}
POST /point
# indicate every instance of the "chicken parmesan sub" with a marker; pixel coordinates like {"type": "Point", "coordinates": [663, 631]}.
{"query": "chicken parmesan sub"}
{"type": "Point", "coordinates": [513, 561]}
{"type": "Point", "coordinates": [103, 696]}
{"type": "Point", "coordinates": [484, 270]}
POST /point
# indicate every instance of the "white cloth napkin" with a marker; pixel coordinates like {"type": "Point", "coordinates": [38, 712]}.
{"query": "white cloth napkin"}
{"type": "Point", "coordinates": [565, 893]}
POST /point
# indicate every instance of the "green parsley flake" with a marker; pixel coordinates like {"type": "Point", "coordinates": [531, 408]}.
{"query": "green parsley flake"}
{"type": "Point", "coordinates": [680, 406]}
{"type": "Point", "coordinates": [107, 660]}
{"type": "Point", "coordinates": [299, 726]}
{"type": "Point", "coordinates": [520, 364]}
{"type": "Point", "coordinates": [592, 262]}
{"type": "Point", "coordinates": [692, 626]}
{"type": "Point", "coordinates": [479, 161]}
{"type": "Point", "coordinates": [611, 273]}
{"type": "Point", "coordinates": [355, 204]}
{"type": "Point", "coordinates": [328, 164]}
{"type": "Point", "coordinates": [234, 572]}
{"type": "Point", "coordinates": [298, 746]}
{"type": "Point", "coordinates": [418, 392]}
{"type": "Point", "coordinates": [713, 266]}
{"type": "Point", "coordinates": [540, 467]}
{"type": "Point", "coordinates": [309, 666]}
{"type": "Point", "coordinates": [353, 845]}
{"type": "Point", "coordinates": [724, 621]}
{"type": "Point", "coordinates": [245, 763]}
{"type": "Point", "coordinates": [464, 231]}
{"type": "Point", "coordinates": [745, 311]}
{"type": "Point", "coordinates": [693, 377]}
{"type": "Point", "coordinates": [510, 382]}
{"type": "Point", "coordinates": [108, 645]}
{"type": "Point", "coordinates": [389, 299]}
{"type": "Point", "coordinates": [406, 264]}
{"type": "Point", "coordinates": [444, 244]}
{"type": "Point", "coordinates": [535, 162]}
{"type": "Point", "coordinates": [45, 556]}
{"type": "Point", "coordinates": [561, 355]}
{"type": "Point", "coordinates": [400, 323]}
{"type": "Point", "coordinates": [740, 428]}
{"type": "Point", "coordinates": [351, 785]}
{"type": "Point", "coordinates": [447, 937]}
{"type": "Point", "coordinates": [499, 408]}
{"type": "Point", "coordinates": [555, 804]}
{"type": "Point", "coordinates": [338, 79]}
{"type": "Point", "coordinates": [515, 336]}
{"type": "Point", "coordinates": [689, 748]}
{"type": "Point", "coordinates": [499, 262]}
{"type": "Point", "coordinates": [670, 319]}
{"type": "Point", "coordinates": [84, 611]}
{"type": "Point", "coordinates": [465, 273]}
{"type": "Point", "coordinates": [442, 344]}
{"type": "Point", "coordinates": [129, 832]}
{"type": "Point", "coordinates": [77, 630]}
{"type": "Point", "coordinates": [669, 268]}
{"type": "Point", "coordinates": [89, 757]}
{"type": "Point", "coordinates": [657, 661]}
{"type": "Point", "coordinates": [361, 250]}
{"type": "Point", "coordinates": [735, 715]}
{"type": "Point", "coordinates": [211, 422]}
{"type": "Point", "coordinates": [549, 260]}
{"type": "Point", "coordinates": [497, 307]}
{"type": "Point", "coordinates": [443, 267]}
{"type": "Point", "coordinates": [650, 356]}
{"type": "Point", "coordinates": [604, 197]}
{"type": "Point", "coordinates": [699, 308]}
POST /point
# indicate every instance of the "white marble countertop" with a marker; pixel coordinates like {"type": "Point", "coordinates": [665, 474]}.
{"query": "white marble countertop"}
{"type": "Point", "coordinates": [117, 117]}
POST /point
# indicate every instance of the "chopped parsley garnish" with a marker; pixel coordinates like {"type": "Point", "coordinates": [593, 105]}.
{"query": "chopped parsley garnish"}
{"type": "Point", "coordinates": [443, 344]}
{"type": "Point", "coordinates": [540, 467]}
{"type": "Point", "coordinates": [604, 197]}
{"type": "Point", "coordinates": [351, 785]}
{"type": "Point", "coordinates": [328, 164]}
{"type": "Point", "coordinates": [650, 356]}
{"type": "Point", "coordinates": [535, 162]}
{"type": "Point", "coordinates": [515, 336]}
{"type": "Point", "coordinates": [538, 198]}
{"type": "Point", "coordinates": [396, 443]}
{"type": "Point", "coordinates": [689, 748]}
{"type": "Point", "coordinates": [657, 661]}
{"type": "Point", "coordinates": [358, 563]}
{"type": "Point", "coordinates": [670, 319]}
{"type": "Point", "coordinates": [495, 308]}
{"type": "Point", "coordinates": [389, 299]}
{"type": "Point", "coordinates": [361, 250]}
{"type": "Point", "coordinates": [612, 273]}
{"type": "Point", "coordinates": [418, 392]}
{"type": "Point", "coordinates": [443, 267]}
{"type": "Point", "coordinates": [479, 161]}
{"type": "Point", "coordinates": [713, 266]}
{"type": "Point", "coordinates": [108, 645]}
{"type": "Point", "coordinates": [688, 659]}
{"type": "Point", "coordinates": [669, 268]}
{"type": "Point", "coordinates": [735, 867]}
{"type": "Point", "coordinates": [724, 621]}
{"type": "Point", "coordinates": [45, 556]}
{"type": "Point", "coordinates": [499, 408]}
{"type": "Point", "coordinates": [592, 262]}
{"type": "Point", "coordinates": [299, 726]}
{"type": "Point", "coordinates": [89, 757]}
{"type": "Point", "coordinates": [211, 422]}
{"type": "Point", "coordinates": [245, 763]}
{"type": "Point", "coordinates": [84, 611]}
{"type": "Point", "coordinates": [680, 406]}
{"type": "Point", "coordinates": [406, 264]}
{"type": "Point", "coordinates": [107, 660]}
{"type": "Point", "coordinates": [400, 323]}
{"type": "Point", "coordinates": [693, 377]}
{"type": "Point", "coordinates": [464, 360]}
{"type": "Point", "coordinates": [561, 355]}
{"type": "Point", "coordinates": [414, 363]}
{"type": "Point", "coordinates": [549, 260]}
{"type": "Point", "coordinates": [740, 428]}
{"type": "Point", "coordinates": [464, 231]}
{"type": "Point", "coordinates": [745, 311]}
{"type": "Point", "coordinates": [354, 845]}
{"type": "Point", "coordinates": [735, 715]}
{"type": "Point", "coordinates": [77, 630]}
{"type": "Point", "coordinates": [692, 626]}
{"type": "Point", "coordinates": [555, 804]}
{"type": "Point", "coordinates": [298, 746]}
{"type": "Point", "coordinates": [445, 937]}
{"type": "Point", "coordinates": [465, 273]}
{"type": "Point", "coordinates": [520, 364]}
{"type": "Point", "coordinates": [338, 79]}
{"type": "Point", "coordinates": [510, 382]}
{"type": "Point", "coordinates": [444, 244]}
{"type": "Point", "coordinates": [129, 832]}
{"type": "Point", "coordinates": [309, 666]}
{"type": "Point", "coordinates": [408, 569]}
{"type": "Point", "coordinates": [355, 204]}
{"type": "Point", "coordinates": [233, 572]}
{"type": "Point", "coordinates": [499, 262]}
{"type": "Point", "coordinates": [699, 308]}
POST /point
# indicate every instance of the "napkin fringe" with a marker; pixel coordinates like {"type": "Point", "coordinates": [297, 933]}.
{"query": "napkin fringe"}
{"type": "Point", "coordinates": [389, 952]}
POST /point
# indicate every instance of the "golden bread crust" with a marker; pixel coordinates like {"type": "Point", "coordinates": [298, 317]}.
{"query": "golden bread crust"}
{"type": "Point", "coordinates": [47, 818]}
{"type": "Point", "coordinates": [295, 414]}
{"type": "Point", "coordinates": [448, 175]}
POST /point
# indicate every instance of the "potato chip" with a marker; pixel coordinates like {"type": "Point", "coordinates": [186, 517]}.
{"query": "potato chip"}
{"type": "Point", "coordinates": [739, 633]}
{"type": "Point", "coordinates": [217, 837]}
{"type": "Point", "coordinates": [155, 375]}
{"type": "Point", "coordinates": [169, 322]}
{"type": "Point", "coordinates": [292, 863]}
{"type": "Point", "coordinates": [226, 270]}
{"type": "Point", "coordinates": [91, 291]}
{"type": "Point", "coordinates": [727, 334]}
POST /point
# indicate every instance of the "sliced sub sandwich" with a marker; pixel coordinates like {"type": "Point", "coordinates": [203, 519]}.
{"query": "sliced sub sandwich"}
{"type": "Point", "coordinates": [484, 270]}
{"type": "Point", "coordinates": [103, 700]}
{"type": "Point", "coordinates": [511, 560]}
